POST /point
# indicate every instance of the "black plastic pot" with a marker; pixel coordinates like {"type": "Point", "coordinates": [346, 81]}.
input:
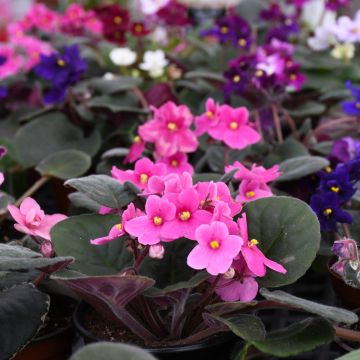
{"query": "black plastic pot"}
{"type": "Point", "coordinates": [218, 347]}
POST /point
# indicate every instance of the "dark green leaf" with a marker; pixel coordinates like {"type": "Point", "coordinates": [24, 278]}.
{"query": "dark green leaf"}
{"type": "Point", "coordinates": [288, 232]}
{"type": "Point", "coordinates": [65, 164]}
{"type": "Point", "coordinates": [125, 103]}
{"type": "Point", "coordinates": [300, 337]}
{"type": "Point", "coordinates": [310, 108]}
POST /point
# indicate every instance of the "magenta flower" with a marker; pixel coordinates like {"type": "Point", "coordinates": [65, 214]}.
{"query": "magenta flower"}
{"type": "Point", "coordinates": [257, 173]}
{"type": "Point", "coordinates": [143, 171]}
{"type": "Point", "coordinates": [10, 62]}
{"type": "Point", "coordinates": [216, 249]}
{"type": "Point", "coordinates": [170, 130]}
{"type": "Point", "coordinates": [41, 17]}
{"type": "Point", "coordinates": [223, 194]}
{"type": "Point", "coordinates": [188, 215]}
{"type": "Point", "coordinates": [32, 220]}
{"type": "Point", "coordinates": [234, 129]}
{"type": "Point", "coordinates": [118, 230]}
{"type": "Point", "coordinates": [254, 258]}
{"type": "Point", "coordinates": [250, 190]}
{"type": "Point", "coordinates": [149, 229]}
{"type": "Point", "coordinates": [177, 163]}
{"type": "Point", "coordinates": [136, 150]}
{"type": "Point", "coordinates": [2, 179]}
{"type": "Point", "coordinates": [244, 289]}
{"type": "Point", "coordinates": [209, 119]}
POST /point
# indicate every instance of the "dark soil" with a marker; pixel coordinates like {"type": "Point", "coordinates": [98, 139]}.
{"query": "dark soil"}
{"type": "Point", "coordinates": [59, 315]}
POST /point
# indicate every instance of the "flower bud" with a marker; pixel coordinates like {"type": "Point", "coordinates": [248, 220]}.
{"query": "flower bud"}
{"type": "Point", "coordinates": [156, 251]}
{"type": "Point", "coordinates": [47, 249]}
{"type": "Point", "coordinates": [229, 274]}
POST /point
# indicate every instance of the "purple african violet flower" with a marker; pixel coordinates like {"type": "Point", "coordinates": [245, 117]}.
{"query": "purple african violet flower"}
{"type": "Point", "coordinates": [352, 107]}
{"type": "Point", "coordinates": [62, 70]}
{"type": "Point", "coordinates": [327, 208]}
{"type": "Point", "coordinates": [345, 149]}
{"type": "Point", "coordinates": [3, 151]}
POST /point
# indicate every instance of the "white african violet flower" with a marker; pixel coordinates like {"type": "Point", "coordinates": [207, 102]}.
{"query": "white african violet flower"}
{"type": "Point", "coordinates": [314, 12]}
{"type": "Point", "coordinates": [324, 37]}
{"type": "Point", "coordinates": [160, 35]}
{"type": "Point", "coordinates": [343, 51]}
{"type": "Point", "coordinates": [154, 63]}
{"type": "Point", "coordinates": [123, 56]}
{"type": "Point", "coordinates": [150, 7]}
{"type": "Point", "coordinates": [348, 30]}
{"type": "Point", "coordinates": [109, 76]}
{"type": "Point", "coordinates": [210, 4]}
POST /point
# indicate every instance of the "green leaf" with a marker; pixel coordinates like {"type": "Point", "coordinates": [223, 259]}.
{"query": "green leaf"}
{"type": "Point", "coordinates": [288, 232]}
{"type": "Point", "coordinates": [301, 166]}
{"type": "Point", "coordinates": [250, 10]}
{"type": "Point", "coordinates": [104, 190]}
{"type": "Point", "coordinates": [117, 84]}
{"type": "Point", "coordinates": [329, 312]}
{"type": "Point", "coordinates": [22, 313]}
{"type": "Point", "coordinates": [247, 327]}
{"type": "Point", "coordinates": [50, 134]}
{"type": "Point", "coordinates": [65, 164]}
{"type": "Point", "coordinates": [227, 307]}
{"type": "Point", "coordinates": [300, 337]}
{"type": "Point", "coordinates": [206, 75]}
{"type": "Point", "coordinates": [310, 108]}
{"type": "Point", "coordinates": [110, 351]}
{"type": "Point", "coordinates": [354, 355]}
{"type": "Point", "coordinates": [72, 236]}
{"type": "Point", "coordinates": [125, 103]}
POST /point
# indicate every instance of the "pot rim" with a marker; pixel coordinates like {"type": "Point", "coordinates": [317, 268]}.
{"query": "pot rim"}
{"type": "Point", "coordinates": [83, 306]}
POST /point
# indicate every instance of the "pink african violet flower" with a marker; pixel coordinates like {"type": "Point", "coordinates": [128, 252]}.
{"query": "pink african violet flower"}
{"type": "Point", "coordinates": [149, 228]}
{"type": "Point", "coordinates": [233, 128]}
{"type": "Point", "coordinates": [216, 249]}
{"type": "Point", "coordinates": [156, 251]}
{"type": "Point", "coordinates": [244, 290]}
{"type": "Point", "coordinates": [254, 258]}
{"type": "Point", "coordinates": [40, 17]}
{"type": "Point", "coordinates": [177, 163]}
{"type": "Point", "coordinates": [33, 49]}
{"type": "Point", "coordinates": [170, 130]}
{"type": "Point", "coordinates": [136, 150]}
{"type": "Point", "coordinates": [118, 230]}
{"type": "Point", "coordinates": [32, 220]}
{"type": "Point", "coordinates": [2, 178]}
{"type": "Point", "coordinates": [188, 215]}
{"type": "Point", "coordinates": [11, 63]}
{"type": "Point", "coordinates": [222, 212]}
{"type": "Point", "coordinates": [143, 171]}
{"type": "Point", "coordinates": [76, 19]}
{"type": "Point", "coordinates": [257, 173]}
{"type": "Point", "coordinates": [209, 119]}
{"type": "Point", "coordinates": [223, 194]}
{"type": "Point", "coordinates": [250, 190]}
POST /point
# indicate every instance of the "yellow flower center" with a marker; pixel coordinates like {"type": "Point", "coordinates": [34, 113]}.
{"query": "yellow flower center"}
{"type": "Point", "coordinates": [224, 29]}
{"type": "Point", "coordinates": [214, 244]}
{"type": "Point", "coordinates": [259, 73]}
{"type": "Point", "coordinates": [233, 125]}
{"type": "Point", "coordinates": [137, 140]}
{"type": "Point", "coordinates": [335, 189]}
{"type": "Point", "coordinates": [158, 220]}
{"type": "Point", "coordinates": [172, 126]}
{"type": "Point", "coordinates": [174, 163]}
{"type": "Point", "coordinates": [144, 178]}
{"type": "Point", "coordinates": [61, 62]}
{"type": "Point", "coordinates": [236, 78]}
{"type": "Point", "coordinates": [328, 212]}
{"type": "Point", "coordinates": [242, 42]}
{"type": "Point", "coordinates": [210, 114]}
{"type": "Point", "coordinates": [288, 22]}
{"type": "Point", "coordinates": [117, 20]}
{"type": "Point", "coordinates": [119, 226]}
{"type": "Point", "coordinates": [253, 242]}
{"type": "Point", "coordinates": [328, 169]}
{"type": "Point", "coordinates": [184, 215]}
{"type": "Point", "coordinates": [138, 28]}
{"type": "Point", "coordinates": [250, 194]}
{"type": "Point", "coordinates": [293, 77]}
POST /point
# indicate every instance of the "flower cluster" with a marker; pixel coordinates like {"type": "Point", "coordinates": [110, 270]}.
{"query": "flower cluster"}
{"type": "Point", "coordinates": [341, 36]}
{"type": "Point", "coordinates": [231, 29]}
{"type": "Point", "coordinates": [348, 263]}
{"type": "Point", "coordinates": [204, 212]}
{"type": "Point", "coordinates": [62, 70]}
{"type": "Point", "coordinates": [336, 188]}
{"type": "Point", "coordinates": [271, 68]}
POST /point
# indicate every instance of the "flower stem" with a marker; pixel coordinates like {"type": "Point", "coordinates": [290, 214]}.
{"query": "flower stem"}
{"type": "Point", "coordinates": [42, 181]}
{"type": "Point", "coordinates": [277, 123]}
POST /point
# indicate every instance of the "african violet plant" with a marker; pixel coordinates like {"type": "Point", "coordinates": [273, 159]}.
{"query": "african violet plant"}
{"type": "Point", "coordinates": [165, 238]}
